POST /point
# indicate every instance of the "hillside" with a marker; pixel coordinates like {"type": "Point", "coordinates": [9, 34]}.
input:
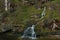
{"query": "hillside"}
{"type": "Point", "coordinates": [24, 13]}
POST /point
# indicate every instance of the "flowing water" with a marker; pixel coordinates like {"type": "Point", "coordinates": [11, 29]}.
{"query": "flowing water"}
{"type": "Point", "coordinates": [29, 33]}
{"type": "Point", "coordinates": [6, 3]}
{"type": "Point", "coordinates": [43, 13]}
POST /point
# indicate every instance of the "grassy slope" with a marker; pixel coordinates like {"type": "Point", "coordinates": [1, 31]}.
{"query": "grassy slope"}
{"type": "Point", "coordinates": [24, 13]}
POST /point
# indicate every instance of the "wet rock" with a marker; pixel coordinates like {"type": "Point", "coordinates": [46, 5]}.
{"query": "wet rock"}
{"type": "Point", "coordinates": [12, 7]}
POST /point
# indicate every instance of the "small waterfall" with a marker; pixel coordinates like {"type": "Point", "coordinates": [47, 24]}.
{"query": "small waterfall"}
{"type": "Point", "coordinates": [6, 3]}
{"type": "Point", "coordinates": [29, 33]}
{"type": "Point", "coordinates": [43, 13]}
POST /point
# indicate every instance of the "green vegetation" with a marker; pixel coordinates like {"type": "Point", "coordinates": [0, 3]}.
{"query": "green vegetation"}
{"type": "Point", "coordinates": [24, 14]}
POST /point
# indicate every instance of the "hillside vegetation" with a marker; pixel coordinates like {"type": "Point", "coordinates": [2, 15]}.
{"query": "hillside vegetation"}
{"type": "Point", "coordinates": [24, 13]}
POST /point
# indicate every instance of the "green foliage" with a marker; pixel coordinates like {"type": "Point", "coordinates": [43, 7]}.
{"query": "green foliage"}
{"type": "Point", "coordinates": [23, 14]}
